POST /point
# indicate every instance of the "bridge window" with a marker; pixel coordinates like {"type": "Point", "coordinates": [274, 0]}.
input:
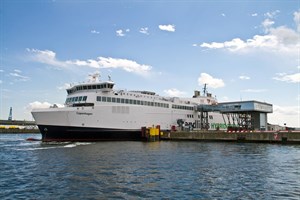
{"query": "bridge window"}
{"type": "Point", "coordinates": [110, 86]}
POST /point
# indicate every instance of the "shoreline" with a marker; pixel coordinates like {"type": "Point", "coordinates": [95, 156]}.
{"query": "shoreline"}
{"type": "Point", "coordinates": [19, 131]}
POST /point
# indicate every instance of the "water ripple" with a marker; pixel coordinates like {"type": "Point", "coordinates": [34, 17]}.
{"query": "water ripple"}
{"type": "Point", "coordinates": [138, 170]}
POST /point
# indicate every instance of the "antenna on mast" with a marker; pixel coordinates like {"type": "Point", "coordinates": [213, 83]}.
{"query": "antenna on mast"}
{"type": "Point", "coordinates": [94, 77]}
{"type": "Point", "coordinates": [205, 89]}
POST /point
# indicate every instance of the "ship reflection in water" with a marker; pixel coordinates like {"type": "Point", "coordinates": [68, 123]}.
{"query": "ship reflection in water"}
{"type": "Point", "coordinates": [132, 170]}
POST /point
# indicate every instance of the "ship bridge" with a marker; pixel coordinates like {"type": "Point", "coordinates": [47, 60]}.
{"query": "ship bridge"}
{"type": "Point", "coordinates": [246, 115]}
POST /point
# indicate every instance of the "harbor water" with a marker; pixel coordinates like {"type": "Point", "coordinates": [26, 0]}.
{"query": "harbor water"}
{"type": "Point", "coordinates": [147, 170]}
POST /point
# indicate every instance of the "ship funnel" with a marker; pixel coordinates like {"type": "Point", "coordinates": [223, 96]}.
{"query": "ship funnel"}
{"type": "Point", "coordinates": [196, 93]}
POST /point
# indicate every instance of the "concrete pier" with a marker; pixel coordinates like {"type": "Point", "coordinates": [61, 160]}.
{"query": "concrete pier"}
{"type": "Point", "coordinates": [281, 137]}
{"type": "Point", "coordinates": [14, 131]}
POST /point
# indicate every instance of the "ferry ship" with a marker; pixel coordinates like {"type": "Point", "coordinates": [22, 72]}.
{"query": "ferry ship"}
{"type": "Point", "coordinates": [95, 111]}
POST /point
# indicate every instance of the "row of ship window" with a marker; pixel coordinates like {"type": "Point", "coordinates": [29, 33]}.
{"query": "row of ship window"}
{"type": "Point", "coordinates": [76, 99]}
{"type": "Point", "coordinates": [132, 101]}
{"type": "Point", "coordinates": [139, 102]}
{"type": "Point", "coordinates": [90, 87]}
{"type": "Point", "coordinates": [199, 116]}
{"type": "Point", "coordinates": [127, 101]}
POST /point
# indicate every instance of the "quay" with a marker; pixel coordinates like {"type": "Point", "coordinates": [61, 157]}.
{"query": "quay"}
{"type": "Point", "coordinates": [18, 126]}
{"type": "Point", "coordinates": [276, 137]}
{"type": "Point", "coordinates": [17, 122]}
{"type": "Point", "coordinates": [16, 131]}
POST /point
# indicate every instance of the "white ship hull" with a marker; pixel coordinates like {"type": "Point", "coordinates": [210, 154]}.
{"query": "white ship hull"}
{"type": "Point", "coordinates": [103, 119]}
{"type": "Point", "coordinates": [94, 111]}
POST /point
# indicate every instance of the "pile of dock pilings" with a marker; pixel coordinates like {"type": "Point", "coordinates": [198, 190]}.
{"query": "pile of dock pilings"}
{"type": "Point", "coordinates": [246, 136]}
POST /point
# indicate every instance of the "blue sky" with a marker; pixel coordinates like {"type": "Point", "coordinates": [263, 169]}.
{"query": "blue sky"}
{"type": "Point", "coordinates": [243, 50]}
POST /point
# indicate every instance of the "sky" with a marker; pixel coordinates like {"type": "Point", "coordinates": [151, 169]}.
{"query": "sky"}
{"type": "Point", "coordinates": [243, 50]}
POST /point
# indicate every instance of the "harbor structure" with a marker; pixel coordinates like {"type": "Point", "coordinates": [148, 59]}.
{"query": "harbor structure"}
{"type": "Point", "coordinates": [245, 115]}
{"type": "Point", "coordinates": [10, 114]}
{"type": "Point", "coordinates": [94, 110]}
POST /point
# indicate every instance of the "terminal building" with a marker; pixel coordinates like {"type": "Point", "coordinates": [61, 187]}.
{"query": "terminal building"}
{"type": "Point", "coordinates": [248, 114]}
{"type": "Point", "coordinates": [245, 115]}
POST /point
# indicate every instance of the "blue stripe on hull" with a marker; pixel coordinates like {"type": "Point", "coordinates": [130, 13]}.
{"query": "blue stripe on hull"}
{"type": "Point", "coordinates": [65, 133]}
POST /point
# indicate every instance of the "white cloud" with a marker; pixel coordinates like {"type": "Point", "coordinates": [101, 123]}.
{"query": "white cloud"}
{"type": "Point", "coordinates": [254, 14]}
{"type": "Point", "coordinates": [235, 44]}
{"type": "Point", "coordinates": [244, 77]}
{"type": "Point", "coordinates": [297, 20]}
{"type": "Point", "coordinates": [170, 28]}
{"type": "Point", "coordinates": [102, 62]}
{"type": "Point", "coordinates": [1, 81]}
{"type": "Point", "coordinates": [280, 40]}
{"type": "Point", "coordinates": [174, 92]}
{"type": "Point", "coordinates": [63, 87]}
{"type": "Point", "coordinates": [285, 114]}
{"type": "Point", "coordinates": [144, 31]}
{"type": "Point", "coordinates": [272, 14]}
{"type": "Point", "coordinates": [49, 57]}
{"type": "Point", "coordinates": [223, 15]}
{"type": "Point", "coordinates": [212, 82]}
{"type": "Point", "coordinates": [46, 57]}
{"type": "Point", "coordinates": [254, 90]}
{"type": "Point", "coordinates": [120, 33]}
{"type": "Point", "coordinates": [225, 98]}
{"type": "Point", "coordinates": [95, 32]}
{"type": "Point", "coordinates": [267, 24]}
{"type": "Point", "coordinates": [19, 77]}
{"type": "Point", "coordinates": [287, 110]}
{"type": "Point", "coordinates": [1, 70]}
{"type": "Point", "coordinates": [289, 78]}
{"type": "Point", "coordinates": [17, 71]}
{"type": "Point", "coordinates": [39, 105]}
